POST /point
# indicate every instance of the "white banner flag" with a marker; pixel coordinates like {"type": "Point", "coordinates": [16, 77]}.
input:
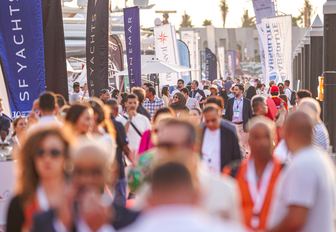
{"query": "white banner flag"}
{"type": "Point", "coordinates": [166, 51]}
{"type": "Point", "coordinates": [276, 36]}
{"type": "Point", "coordinates": [221, 61]}
{"type": "Point", "coordinates": [191, 39]}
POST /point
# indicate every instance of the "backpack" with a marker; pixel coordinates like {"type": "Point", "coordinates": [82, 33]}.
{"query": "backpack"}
{"type": "Point", "coordinates": [292, 100]}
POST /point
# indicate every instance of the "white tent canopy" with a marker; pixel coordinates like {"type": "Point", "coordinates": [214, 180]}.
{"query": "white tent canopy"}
{"type": "Point", "coordinates": [156, 66]}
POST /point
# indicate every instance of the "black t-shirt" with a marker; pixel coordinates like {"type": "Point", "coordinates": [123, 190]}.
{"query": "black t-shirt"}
{"type": "Point", "coordinates": [121, 140]}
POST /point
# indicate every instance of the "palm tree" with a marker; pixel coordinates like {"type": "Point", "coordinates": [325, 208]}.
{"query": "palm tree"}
{"type": "Point", "coordinates": [186, 21]}
{"type": "Point", "coordinates": [224, 10]}
{"type": "Point", "coordinates": [303, 19]}
{"type": "Point", "coordinates": [207, 22]}
{"type": "Point", "coordinates": [248, 21]}
{"type": "Point", "coordinates": [307, 12]}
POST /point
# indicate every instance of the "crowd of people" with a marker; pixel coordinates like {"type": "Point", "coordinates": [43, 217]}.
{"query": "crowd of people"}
{"type": "Point", "coordinates": [233, 155]}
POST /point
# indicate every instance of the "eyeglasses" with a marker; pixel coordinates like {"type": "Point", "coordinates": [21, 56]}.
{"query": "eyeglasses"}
{"type": "Point", "coordinates": [95, 171]}
{"type": "Point", "coordinates": [53, 152]}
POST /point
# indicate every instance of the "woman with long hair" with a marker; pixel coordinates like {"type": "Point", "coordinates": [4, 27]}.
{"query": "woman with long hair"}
{"type": "Point", "coordinates": [43, 162]}
{"type": "Point", "coordinates": [165, 95]}
{"type": "Point", "coordinates": [80, 119]}
{"type": "Point", "coordinates": [20, 128]}
{"type": "Point", "coordinates": [102, 128]}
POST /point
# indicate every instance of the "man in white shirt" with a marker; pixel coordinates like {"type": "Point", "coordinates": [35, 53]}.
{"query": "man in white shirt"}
{"type": "Point", "coordinates": [220, 145]}
{"type": "Point", "coordinates": [191, 103]}
{"type": "Point", "coordinates": [288, 91]}
{"type": "Point", "coordinates": [174, 204]}
{"type": "Point", "coordinates": [76, 95]}
{"type": "Point", "coordinates": [306, 194]}
{"type": "Point", "coordinates": [135, 124]}
{"type": "Point", "coordinates": [48, 108]}
{"type": "Point", "coordinates": [180, 86]}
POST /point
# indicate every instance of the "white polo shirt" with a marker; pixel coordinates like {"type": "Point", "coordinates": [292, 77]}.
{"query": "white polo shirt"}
{"type": "Point", "coordinates": [310, 182]}
{"type": "Point", "coordinates": [142, 123]}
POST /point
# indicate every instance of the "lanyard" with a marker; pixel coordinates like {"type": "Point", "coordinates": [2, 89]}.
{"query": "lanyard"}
{"type": "Point", "coordinates": [238, 103]}
{"type": "Point", "coordinates": [258, 195]}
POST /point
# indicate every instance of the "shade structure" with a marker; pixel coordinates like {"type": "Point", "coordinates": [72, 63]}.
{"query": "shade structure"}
{"type": "Point", "coordinates": [156, 66]}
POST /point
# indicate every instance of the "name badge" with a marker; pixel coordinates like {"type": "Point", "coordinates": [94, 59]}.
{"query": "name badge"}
{"type": "Point", "coordinates": [236, 114]}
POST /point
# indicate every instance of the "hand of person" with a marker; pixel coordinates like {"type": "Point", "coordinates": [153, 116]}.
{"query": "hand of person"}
{"type": "Point", "coordinates": [92, 210]}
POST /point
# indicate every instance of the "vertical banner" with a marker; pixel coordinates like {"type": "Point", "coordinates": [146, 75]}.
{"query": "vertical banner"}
{"type": "Point", "coordinates": [263, 9]}
{"type": "Point", "coordinates": [116, 62]}
{"type": "Point", "coordinates": [277, 32]}
{"type": "Point", "coordinates": [232, 58]}
{"type": "Point", "coordinates": [191, 39]}
{"type": "Point", "coordinates": [166, 51]}
{"type": "Point", "coordinates": [221, 61]}
{"type": "Point", "coordinates": [97, 25]}
{"type": "Point", "coordinates": [210, 65]}
{"type": "Point", "coordinates": [54, 47]}
{"type": "Point", "coordinates": [133, 46]}
{"type": "Point", "coordinates": [184, 56]}
{"type": "Point", "coordinates": [21, 53]}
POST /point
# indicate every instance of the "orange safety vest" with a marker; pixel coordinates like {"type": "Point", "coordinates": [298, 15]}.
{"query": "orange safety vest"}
{"type": "Point", "coordinates": [246, 199]}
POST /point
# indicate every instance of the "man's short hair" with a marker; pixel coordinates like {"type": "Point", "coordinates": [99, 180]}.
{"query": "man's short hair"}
{"type": "Point", "coordinates": [185, 90]}
{"type": "Point", "coordinates": [240, 86]}
{"type": "Point", "coordinates": [103, 91]}
{"type": "Point", "coordinates": [152, 90]}
{"type": "Point", "coordinates": [180, 80]}
{"type": "Point", "coordinates": [195, 82]}
{"type": "Point", "coordinates": [76, 84]}
{"type": "Point", "coordinates": [147, 84]}
{"type": "Point", "coordinates": [131, 96]}
{"type": "Point", "coordinates": [215, 100]}
{"type": "Point", "coordinates": [210, 108]}
{"type": "Point", "coordinates": [47, 101]}
{"type": "Point", "coordinates": [60, 100]}
{"type": "Point", "coordinates": [140, 92]}
{"type": "Point", "coordinates": [256, 100]}
{"type": "Point", "coordinates": [302, 93]}
{"type": "Point", "coordinates": [287, 82]}
{"type": "Point", "coordinates": [112, 103]}
{"type": "Point", "coordinates": [170, 175]}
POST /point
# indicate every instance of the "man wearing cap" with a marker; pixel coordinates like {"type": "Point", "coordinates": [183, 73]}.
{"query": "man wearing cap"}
{"type": "Point", "coordinates": [274, 90]}
{"type": "Point", "coordinates": [76, 95]}
{"type": "Point", "coordinates": [104, 95]}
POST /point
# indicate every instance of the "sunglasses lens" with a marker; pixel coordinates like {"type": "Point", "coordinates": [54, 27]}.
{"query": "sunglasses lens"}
{"type": "Point", "coordinates": [55, 153]}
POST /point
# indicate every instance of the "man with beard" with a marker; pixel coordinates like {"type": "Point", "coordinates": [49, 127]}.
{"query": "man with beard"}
{"type": "Point", "coordinates": [135, 123]}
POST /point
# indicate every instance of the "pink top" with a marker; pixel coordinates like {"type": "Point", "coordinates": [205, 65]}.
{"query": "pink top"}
{"type": "Point", "coordinates": [145, 142]}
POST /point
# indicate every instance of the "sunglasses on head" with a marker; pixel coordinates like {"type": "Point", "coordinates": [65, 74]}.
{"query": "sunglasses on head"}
{"type": "Point", "coordinates": [54, 153]}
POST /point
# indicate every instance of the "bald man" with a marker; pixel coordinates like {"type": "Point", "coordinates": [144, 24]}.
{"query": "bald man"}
{"type": "Point", "coordinates": [306, 195]}
{"type": "Point", "coordinates": [257, 176]}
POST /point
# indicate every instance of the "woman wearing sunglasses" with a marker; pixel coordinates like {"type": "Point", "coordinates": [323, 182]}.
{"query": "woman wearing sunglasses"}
{"type": "Point", "coordinates": [42, 163]}
{"type": "Point", "coordinates": [86, 205]}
